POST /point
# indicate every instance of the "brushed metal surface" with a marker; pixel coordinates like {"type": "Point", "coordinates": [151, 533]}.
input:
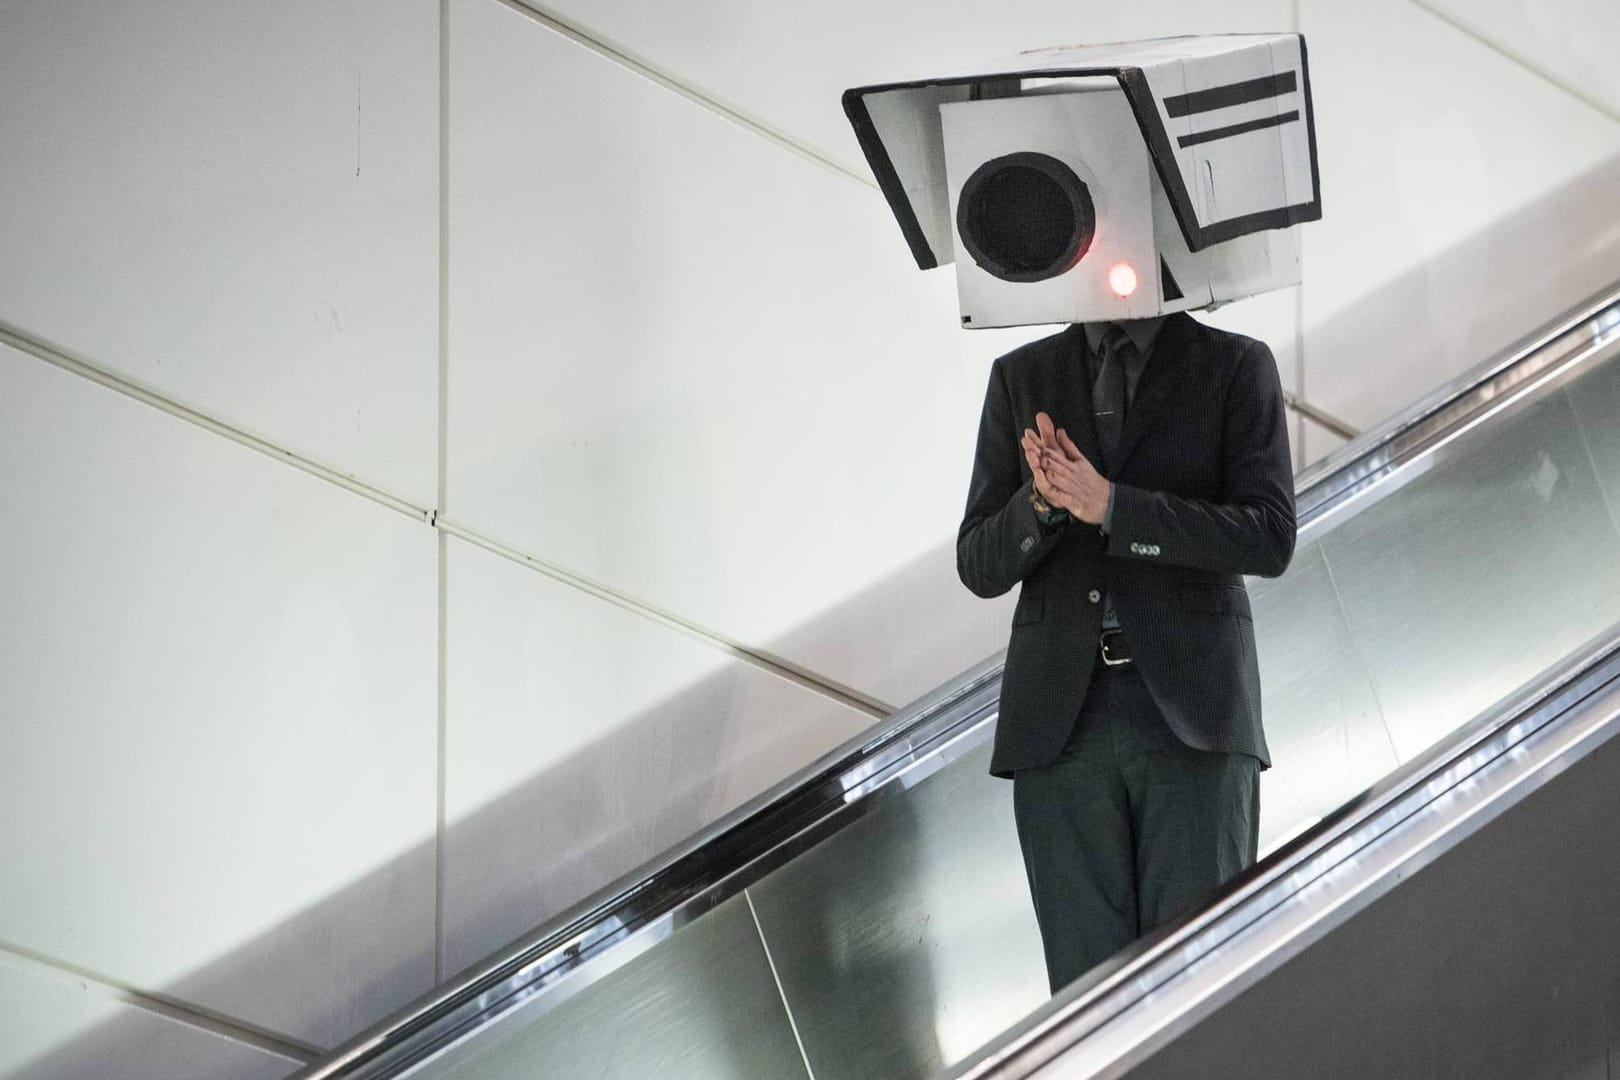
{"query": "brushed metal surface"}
{"type": "Point", "coordinates": [1497, 960]}
{"type": "Point", "coordinates": [907, 939]}
{"type": "Point", "coordinates": [1596, 399]}
{"type": "Point", "coordinates": [1322, 718]}
{"type": "Point", "coordinates": [1107, 1023]}
{"type": "Point", "coordinates": [701, 1006]}
{"type": "Point", "coordinates": [1496, 562]}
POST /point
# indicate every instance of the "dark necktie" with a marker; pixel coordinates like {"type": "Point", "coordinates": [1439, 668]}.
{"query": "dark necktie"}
{"type": "Point", "coordinates": [1108, 393]}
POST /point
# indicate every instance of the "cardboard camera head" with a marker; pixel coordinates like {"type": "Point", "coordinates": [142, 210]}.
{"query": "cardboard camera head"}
{"type": "Point", "coordinates": [1102, 182]}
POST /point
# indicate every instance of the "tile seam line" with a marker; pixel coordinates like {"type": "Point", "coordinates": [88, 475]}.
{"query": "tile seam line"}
{"type": "Point", "coordinates": [580, 35]}
{"type": "Point", "coordinates": [441, 824]}
{"type": "Point", "coordinates": [1515, 59]}
{"type": "Point", "coordinates": [170, 1008]}
{"type": "Point", "coordinates": [61, 358]}
{"type": "Point", "coordinates": [771, 664]}
{"type": "Point", "coordinates": [1319, 416]}
{"type": "Point", "coordinates": [784, 669]}
{"type": "Point", "coordinates": [441, 768]}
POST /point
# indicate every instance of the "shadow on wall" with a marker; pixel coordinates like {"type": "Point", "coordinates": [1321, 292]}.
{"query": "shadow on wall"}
{"type": "Point", "coordinates": [1477, 298]}
{"type": "Point", "coordinates": [1465, 304]}
{"type": "Point", "coordinates": [543, 846]}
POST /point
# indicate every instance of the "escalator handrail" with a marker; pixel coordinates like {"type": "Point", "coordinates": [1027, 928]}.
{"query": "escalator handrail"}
{"type": "Point", "coordinates": [1551, 353]}
{"type": "Point", "coordinates": [1517, 736]}
{"type": "Point", "coordinates": [717, 862]}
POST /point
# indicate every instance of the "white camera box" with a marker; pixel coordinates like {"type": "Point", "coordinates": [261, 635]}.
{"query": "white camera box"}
{"type": "Point", "coordinates": [1102, 182]}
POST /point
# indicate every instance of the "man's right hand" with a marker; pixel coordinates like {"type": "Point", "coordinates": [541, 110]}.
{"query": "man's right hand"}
{"type": "Point", "coordinates": [1036, 444]}
{"type": "Point", "coordinates": [1063, 475]}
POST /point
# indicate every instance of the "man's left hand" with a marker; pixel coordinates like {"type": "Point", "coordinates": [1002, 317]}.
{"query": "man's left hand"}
{"type": "Point", "coordinates": [1079, 487]}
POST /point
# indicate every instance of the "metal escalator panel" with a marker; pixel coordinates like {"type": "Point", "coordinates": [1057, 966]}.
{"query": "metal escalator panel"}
{"type": "Point", "coordinates": [1498, 958]}
{"type": "Point", "coordinates": [871, 917]}
{"type": "Point", "coordinates": [1458, 920]}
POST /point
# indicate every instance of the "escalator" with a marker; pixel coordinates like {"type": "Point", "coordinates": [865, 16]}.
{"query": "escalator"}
{"type": "Point", "coordinates": [1442, 672]}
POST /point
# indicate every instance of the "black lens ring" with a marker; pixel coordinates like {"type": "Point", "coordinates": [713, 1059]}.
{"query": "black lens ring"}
{"type": "Point", "coordinates": [1079, 196]}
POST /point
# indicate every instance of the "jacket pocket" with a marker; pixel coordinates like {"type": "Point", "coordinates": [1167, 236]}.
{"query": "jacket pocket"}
{"type": "Point", "coordinates": [1213, 599]}
{"type": "Point", "coordinates": [1030, 609]}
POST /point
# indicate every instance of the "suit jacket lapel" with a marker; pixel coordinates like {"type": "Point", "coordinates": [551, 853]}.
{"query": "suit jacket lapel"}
{"type": "Point", "coordinates": [1159, 378]}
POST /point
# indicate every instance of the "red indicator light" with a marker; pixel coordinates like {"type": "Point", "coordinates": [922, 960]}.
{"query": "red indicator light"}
{"type": "Point", "coordinates": [1122, 279]}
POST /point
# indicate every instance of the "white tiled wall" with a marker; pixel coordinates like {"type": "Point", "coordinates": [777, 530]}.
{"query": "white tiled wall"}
{"type": "Point", "coordinates": [608, 737]}
{"type": "Point", "coordinates": [1319, 441]}
{"type": "Point", "coordinates": [219, 716]}
{"type": "Point", "coordinates": [787, 64]}
{"type": "Point", "coordinates": [762, 421]}
{"type": "Point", "coordinates": [684, 361]}
{"type": "Point", "coordinates": [1570, 42]}
{"type": "Point", "coordinates": [1466, 200]}
{"type": "Point", "coordinates": [238, 206]}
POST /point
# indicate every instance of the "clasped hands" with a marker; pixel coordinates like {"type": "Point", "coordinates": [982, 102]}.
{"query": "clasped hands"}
{"type": "Point", "coordinates": [1063, 476]}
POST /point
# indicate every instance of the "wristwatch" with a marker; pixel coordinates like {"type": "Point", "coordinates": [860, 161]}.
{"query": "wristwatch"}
{"type": "Point", "coordinates": [1045, 512]}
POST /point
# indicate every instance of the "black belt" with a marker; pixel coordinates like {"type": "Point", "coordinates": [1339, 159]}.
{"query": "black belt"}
{"type": "Point", "coordinates": [1116, 651]}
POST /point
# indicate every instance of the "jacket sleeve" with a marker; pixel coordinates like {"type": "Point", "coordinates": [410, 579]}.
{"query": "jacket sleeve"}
{"type": "Point", "coordinates": [1001, 539]}
{"type": "Point", "coordinates": [1252, 530]}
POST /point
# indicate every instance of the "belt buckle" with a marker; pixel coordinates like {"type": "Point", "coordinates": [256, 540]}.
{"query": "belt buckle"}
{"type": "Point", "coordinates": [1108, 657]}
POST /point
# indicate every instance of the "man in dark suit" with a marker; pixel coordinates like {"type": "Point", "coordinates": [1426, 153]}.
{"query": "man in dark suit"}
{"type": "Point", "coordinates": [1129, 475]}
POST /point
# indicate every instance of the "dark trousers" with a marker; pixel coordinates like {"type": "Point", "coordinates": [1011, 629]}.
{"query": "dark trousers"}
{"type": "Point", "coordinates": [1130, 827]}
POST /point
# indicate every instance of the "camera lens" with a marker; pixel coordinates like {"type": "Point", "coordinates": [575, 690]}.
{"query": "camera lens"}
{"type": "Point", "coordinates": [1025, 217]}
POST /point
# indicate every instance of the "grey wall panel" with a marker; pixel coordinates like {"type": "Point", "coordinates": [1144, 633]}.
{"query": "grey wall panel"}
{"type": "Point", "coordinates": [1496, 563]}
{"type": "Point", "coordinates": [701, 1006]}
{"type": "Point", "coordinates": [1326, 732]}
{"type": "Point", "coordinates": [907, 939]}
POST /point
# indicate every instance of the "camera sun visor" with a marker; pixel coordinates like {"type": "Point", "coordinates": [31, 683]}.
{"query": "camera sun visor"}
{"type": "Point", "coordinates": [1233, 106]}
{"type": "Point", "coordinates": [1102, 182]}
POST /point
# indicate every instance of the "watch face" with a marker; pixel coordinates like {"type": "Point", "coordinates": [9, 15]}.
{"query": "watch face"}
{"type": "Point", "coordinates": [1044, 513]}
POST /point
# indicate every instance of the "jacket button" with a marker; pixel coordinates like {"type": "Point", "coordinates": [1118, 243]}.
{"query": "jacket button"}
{"type": "Point", "coordinates": [1094, 596]}
{"type": "Point", "coordinates": [1029, 542]}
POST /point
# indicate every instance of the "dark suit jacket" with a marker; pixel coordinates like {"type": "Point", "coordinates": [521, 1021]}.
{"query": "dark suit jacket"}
{"type": "Point", "coordinates": [1203, 495]}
